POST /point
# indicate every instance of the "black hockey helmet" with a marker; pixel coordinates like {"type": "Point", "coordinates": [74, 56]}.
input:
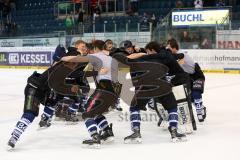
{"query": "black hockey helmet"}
{"type": "Point", "coordinates": [127, 44]}
{"type": "Point", "coordinates": [72, 51]}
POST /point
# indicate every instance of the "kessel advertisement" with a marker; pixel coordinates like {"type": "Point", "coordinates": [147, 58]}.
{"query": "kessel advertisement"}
{"type": "Point", "coordinates": [3, 59]}
{"type": "Point", "coordinates": [25, 59]}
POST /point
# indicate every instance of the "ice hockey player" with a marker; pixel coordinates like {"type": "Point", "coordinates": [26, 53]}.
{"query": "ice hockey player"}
{"type": "Point", "coordinates": [36, 92]}
{"type": "Point", "coordinates": [109, 45]}
{"type": "Point", "coordinates": [68, 106]}
{"type": "Point", "coordinates": [129, 48]}
{"type": "Point", "coordinates": [104, 92]}
{"type": "Point", "coordinates": [159, 55]}
{"type": "Point", "coordinates": [196, 76]}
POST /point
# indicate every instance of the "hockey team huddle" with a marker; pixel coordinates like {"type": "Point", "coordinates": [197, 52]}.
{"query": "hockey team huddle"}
{"type": "Point", "coordinates": [165, 81]}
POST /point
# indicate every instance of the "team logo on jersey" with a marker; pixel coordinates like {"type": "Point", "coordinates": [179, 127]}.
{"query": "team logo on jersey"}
{"type": "Point", "coordinates": [13, 58]}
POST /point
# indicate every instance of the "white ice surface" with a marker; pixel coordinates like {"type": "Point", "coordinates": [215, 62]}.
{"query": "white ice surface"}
{"type": "Point", "coordinates": [217, 139]}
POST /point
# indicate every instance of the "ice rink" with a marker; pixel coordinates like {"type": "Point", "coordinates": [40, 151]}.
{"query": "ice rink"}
{"type": "Point", "coordinates": [217, 139]}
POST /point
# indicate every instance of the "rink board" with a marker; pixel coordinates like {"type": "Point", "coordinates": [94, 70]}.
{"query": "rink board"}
{"type": "Point", "coordinates": [211, 61]}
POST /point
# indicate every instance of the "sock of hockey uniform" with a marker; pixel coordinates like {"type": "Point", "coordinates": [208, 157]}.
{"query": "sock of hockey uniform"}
{"type": "Point", "coordinates": [91, 126]}
{"type": "Point", "coordinates": [197, 98]}
{"type": "Point", "coordinates": [101, 122]}
{"type": "Point", "coordinates": [22, 124]}
{"type": "Point", "coordinates": [48, 111]}
{"type": "Point", "coordinates": [84, 99]}
{"type": "Point", "coordinates": [73, 108]}
{"type": "Point", "coordinates": [135, 118]}
{"type": "Point", "coordinates": [117, 105]}
{"type": "Point", "coordinates": [173, 117]}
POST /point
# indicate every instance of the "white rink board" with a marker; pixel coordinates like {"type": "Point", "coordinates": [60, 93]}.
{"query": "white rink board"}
{"type": "Point", "coordinates": [216, 59]}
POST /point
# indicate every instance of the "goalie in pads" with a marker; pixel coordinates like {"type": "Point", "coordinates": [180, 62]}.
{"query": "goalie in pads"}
{"type": "Point", "coordinates": [186, 120]}
{"type": "Point", "coordinates": [197, 78]}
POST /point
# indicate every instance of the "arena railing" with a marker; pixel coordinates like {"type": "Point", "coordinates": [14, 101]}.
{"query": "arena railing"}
{"type": "Point", "coordinates": [114, 7]}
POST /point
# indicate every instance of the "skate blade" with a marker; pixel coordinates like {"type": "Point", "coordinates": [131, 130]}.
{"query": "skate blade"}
{"type": "Point", "coordinates": [201, 123]}
{"type": "Point", "coordinates": [9, 148]}
{"type": "Point", "coordinates": [71, 123]}
{"type": "Point", "coordinates": [177, 140]}
{"type": "Point", "coordinates": [133, 141]}
{"type": "Point", "coordinates": [42, 128]}
{"type": "Point", "coordinates": [108, 140]}
{"type": "Point", "coordinates": [59, 119]}
{"type": "Point", "coordinates": [93, 146]}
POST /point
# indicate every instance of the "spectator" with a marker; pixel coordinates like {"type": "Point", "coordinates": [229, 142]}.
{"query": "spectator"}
{"type": "Point", "coordinates": [72, 16]}
{"type": "Point", "coordinates": [1, 5]}
{"type": "Point", "coordinates": [154, 21]}
{"type": "Point", "coordinates": [206, 44]}
{"type": "Point", "coordinates": [69, 24]}
{"type": "Point", "coordinates": [185, 39]}
{"type": "Point", "coordinates": [12, 5]}
{"type": "Point", "coordinates": [7, 28]}
{"type": "Point", "coordinates": [179, 4]}
{"type": "Point", "coordinates": [111, 6]}
{"type": "Point", "coordinates": [129, 11]}
{"type": "Point", "coordinates": [97, 10]}
{"type": "Point", "coordinates": [144, 22]}
{"type": "Point", "coordinates": [144, 18]}
{"type": "Point", "coordinates": [220, 3]}
{"type": "Point", "coordinates": [195, 37]}
{"type": "Point", "coordinates": [80, 16]}
{"type": "Point", "coordinates": [198, 4]}
{"type": "Point", "coordinates": [14, 29]}
{"type": "Point", "coordinates": [160, 18]}
{"type": "Point", "coordinates": [5, 8]}
{"type": "Point", "coordinates": [77, 4]}
{"type": "Point", "coordinates": [134, 5]}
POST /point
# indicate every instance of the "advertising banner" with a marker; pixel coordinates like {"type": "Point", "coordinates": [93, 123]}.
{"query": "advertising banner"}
{"type": "Point", "coordinates": [25, 58]}
{"type": "Point", "coordinates": [200, 17]}
{"type": "Point", "coordinates": [10, 42]}
{"type": "Point", "coordinates": [216, 60]}
{"type": "Point", "coordinates": [32, 42]}
{"type": "Point", "coordinates": [228, 39]}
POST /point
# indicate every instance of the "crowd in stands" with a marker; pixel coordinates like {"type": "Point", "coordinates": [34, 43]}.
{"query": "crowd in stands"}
{"type": "Point", "coordinates": [7, 6]}
{"type": "Point", "coordinates": [95, 10]}
{"type": "Point", "coordinates": [8, 28]}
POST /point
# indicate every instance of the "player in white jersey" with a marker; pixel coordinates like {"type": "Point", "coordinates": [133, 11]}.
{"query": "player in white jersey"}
{"type": "Point", "coordinates": [103, 97]}
{"type": "Point", "coordinates": [196, 75]}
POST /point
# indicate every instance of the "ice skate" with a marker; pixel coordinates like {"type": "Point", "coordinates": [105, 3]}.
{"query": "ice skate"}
{"type": "Point", "coordinates": [134, 138]}
{"type": "Point", "coordinates": [175, 136]}
{"type": "Point", "coordinates": [107, 135]}
{"type": "Point", "coordinates": [45, 121]}
{"type": "Point", "coordinates": [94, 142]}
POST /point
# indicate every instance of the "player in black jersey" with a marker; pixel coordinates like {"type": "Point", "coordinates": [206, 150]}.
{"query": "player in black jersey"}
{"type": "Point", "coordinates": [156, 61]}
{"type": "Point", "coordinates": [37, 91]}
